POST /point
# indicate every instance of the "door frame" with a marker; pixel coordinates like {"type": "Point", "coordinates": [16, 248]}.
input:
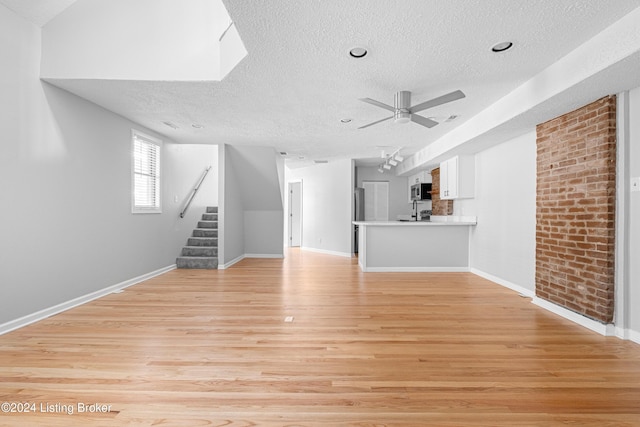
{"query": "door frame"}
{"type": "Point", "coordinates": [290, 212]}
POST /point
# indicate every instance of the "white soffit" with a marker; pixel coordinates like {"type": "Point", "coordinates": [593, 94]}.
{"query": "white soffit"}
{"type": "Point", "coordinates": [152, 40]}
{"type": "Point", "coordinates": [38, 12]}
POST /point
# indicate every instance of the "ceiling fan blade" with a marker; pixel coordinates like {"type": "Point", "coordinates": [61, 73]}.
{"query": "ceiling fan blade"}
{"type": "Point", "coordinates": [423, 121]}
{"type": "Point", "coordinates": [376, 122]}
{"type": "Point", "coordinates": [455, 95]}
{"type": "Point", "coordinates": [378, 104]}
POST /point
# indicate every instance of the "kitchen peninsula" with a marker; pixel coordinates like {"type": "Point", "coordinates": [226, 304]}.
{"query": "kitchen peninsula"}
{"type": "Point", "coordinates": [441, 244]}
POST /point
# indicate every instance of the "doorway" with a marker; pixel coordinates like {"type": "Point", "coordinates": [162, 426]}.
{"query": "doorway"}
{"type": "Point", "coordinates": [295, 214]}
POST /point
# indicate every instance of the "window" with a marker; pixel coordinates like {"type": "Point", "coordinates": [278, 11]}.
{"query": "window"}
{"type": "Point", "coordinates": [145, 177]}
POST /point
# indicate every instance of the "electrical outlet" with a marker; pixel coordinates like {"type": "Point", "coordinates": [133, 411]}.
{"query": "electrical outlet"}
{"type": "Point", "coordinates": [635, 183]}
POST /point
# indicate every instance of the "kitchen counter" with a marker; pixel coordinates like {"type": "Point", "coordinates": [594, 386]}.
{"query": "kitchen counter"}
{"type": "Point", "coordinates": [441, 244]}
{"type": "Point", "coordinates": [435, 221]}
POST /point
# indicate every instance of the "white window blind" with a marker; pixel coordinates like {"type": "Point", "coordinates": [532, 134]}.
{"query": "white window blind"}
{"type": "Point", "coordinates": [146, 173]}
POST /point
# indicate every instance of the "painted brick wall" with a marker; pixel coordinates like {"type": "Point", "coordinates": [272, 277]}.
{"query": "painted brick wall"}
{"type": "Point", "coordinates": [575, 220]}
{"type": "Point", "coordinates": [439, 207]}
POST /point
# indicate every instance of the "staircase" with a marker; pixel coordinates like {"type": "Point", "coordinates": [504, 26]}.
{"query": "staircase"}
{"type": "Point", "coordinates": [202, 247]}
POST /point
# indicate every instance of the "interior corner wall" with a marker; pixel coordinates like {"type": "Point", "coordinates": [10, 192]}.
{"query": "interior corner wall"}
{"type": "Point", "coordinates": [503, 243]}
{"type": "Point", "coordinates": [263, 233]}
{"type": "Point", "coordinates": [65, 170]}
{"type": "Point", "coordinates": [233, 213]}
{"type": "Point", "coordinates": [327, 206]}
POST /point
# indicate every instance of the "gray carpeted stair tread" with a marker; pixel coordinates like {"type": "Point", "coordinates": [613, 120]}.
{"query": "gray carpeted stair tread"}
{"type": "Point", "coordinates": [201, 250]}
{"type": "Point", "coordinates": [197, 262]}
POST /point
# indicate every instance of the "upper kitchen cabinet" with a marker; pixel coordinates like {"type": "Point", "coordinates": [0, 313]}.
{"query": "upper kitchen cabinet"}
{"type": "Point", "coordinates": [457, 177]}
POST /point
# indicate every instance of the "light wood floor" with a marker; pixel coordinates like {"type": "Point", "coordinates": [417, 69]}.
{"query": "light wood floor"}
{"type": "Point", "coordinates": [211, 348]}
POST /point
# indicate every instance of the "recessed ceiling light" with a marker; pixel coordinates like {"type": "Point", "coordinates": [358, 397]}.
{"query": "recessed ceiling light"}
{"type": "Point", "coordinates": [197, 126]}
{"type": "Point", "coordinates": [501, 47]}
{"type": "Point", "coordinates": [345, 120]}
{"type": "Point", "coordinates": [358, 52]}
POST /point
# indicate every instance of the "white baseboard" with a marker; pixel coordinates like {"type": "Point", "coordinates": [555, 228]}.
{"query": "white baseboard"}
{"type": "Point", "coordinates": [416, 270]}
{"type": "Point", "coordinates": [602, 329]}
{"type": "Point", "coordinates": [241, 257]}
{"type": "Point", "coordinates": [633, 336]}
{"type": "Point", "coordinates": [274, 256]}
{"type": "Point", "coordinates": [230, 263]}
{"type": "Point", "coordinates": [327, 252]}
{"type": "Point", "coordinates": [56, 309]}
{"type": "Point", "coordinates": [627, 334]}
{"type": "Point", "coordinates": [521, 290]}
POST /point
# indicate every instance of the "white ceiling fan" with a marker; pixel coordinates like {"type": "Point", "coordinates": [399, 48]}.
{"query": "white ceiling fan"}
{"type": "Point", "coordinates": [403, 112]}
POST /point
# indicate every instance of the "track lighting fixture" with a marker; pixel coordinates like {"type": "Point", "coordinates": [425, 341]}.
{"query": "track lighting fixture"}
{"type": "Point", "coordinates": [390, 160]}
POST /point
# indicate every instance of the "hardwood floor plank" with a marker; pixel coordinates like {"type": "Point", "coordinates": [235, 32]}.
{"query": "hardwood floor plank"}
{"type": "Point", "coordinates": [211, 348]}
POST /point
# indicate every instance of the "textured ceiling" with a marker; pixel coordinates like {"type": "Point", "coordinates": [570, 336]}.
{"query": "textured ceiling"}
{"type": "Point", "coordinates": [298, 80]}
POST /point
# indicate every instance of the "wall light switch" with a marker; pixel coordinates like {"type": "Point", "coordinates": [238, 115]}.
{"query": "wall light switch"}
{"type": "Point", "coordinates": [635, 183]}
{"type": "Point", "coordinates": [175, 199]}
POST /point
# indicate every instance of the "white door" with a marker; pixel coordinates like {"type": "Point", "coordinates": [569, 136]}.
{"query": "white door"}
{"type": "Point", "coordinates": [376, 200]}
{"type": "Point", "coordinates": [295, 213]}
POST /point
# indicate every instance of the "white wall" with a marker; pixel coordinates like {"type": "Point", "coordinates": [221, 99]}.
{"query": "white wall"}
{"type": "Point", "coordinates": [633, 303]}
{"type": "Point", "coordinates": [263, 233]}
{"type": "Point", "coordinates": [503, 243]}
{"type": "Point", "coordinates": [65, 178]}
{"type": "Point", "coordinates": [327, 205]}
{"type": "Point", "coordinates": [185, 164]}
{"type": "Point", "coordinates": [253, 203]}
{"type": "Point", "coordinates": [232, 224]}
{"type": "Point", "coordinates": [398, 193]}
{"type": "Point", "coordinates": [154, 40]}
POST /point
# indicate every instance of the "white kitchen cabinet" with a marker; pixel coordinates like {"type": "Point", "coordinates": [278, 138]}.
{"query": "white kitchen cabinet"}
{"type": "Point", "coordinates": [457, 176]}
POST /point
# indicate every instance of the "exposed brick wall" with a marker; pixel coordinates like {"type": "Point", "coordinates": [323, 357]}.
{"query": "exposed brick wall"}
{"type": "Point", "coordinates": [575, 219]}
{"type": "Point", "coordinates": [439, 207]}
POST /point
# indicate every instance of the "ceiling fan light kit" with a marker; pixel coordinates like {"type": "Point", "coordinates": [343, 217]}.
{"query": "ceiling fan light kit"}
{"type": "Point", "coordinates": [403, 112]}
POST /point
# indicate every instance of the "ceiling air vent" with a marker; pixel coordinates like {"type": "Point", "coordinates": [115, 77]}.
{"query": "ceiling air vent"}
{"type": "Point", "coordinates": [319, 162]}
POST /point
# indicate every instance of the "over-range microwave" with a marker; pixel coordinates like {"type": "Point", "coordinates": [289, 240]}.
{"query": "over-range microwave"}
{"type": "Point", "coordinates": [421, 192]}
